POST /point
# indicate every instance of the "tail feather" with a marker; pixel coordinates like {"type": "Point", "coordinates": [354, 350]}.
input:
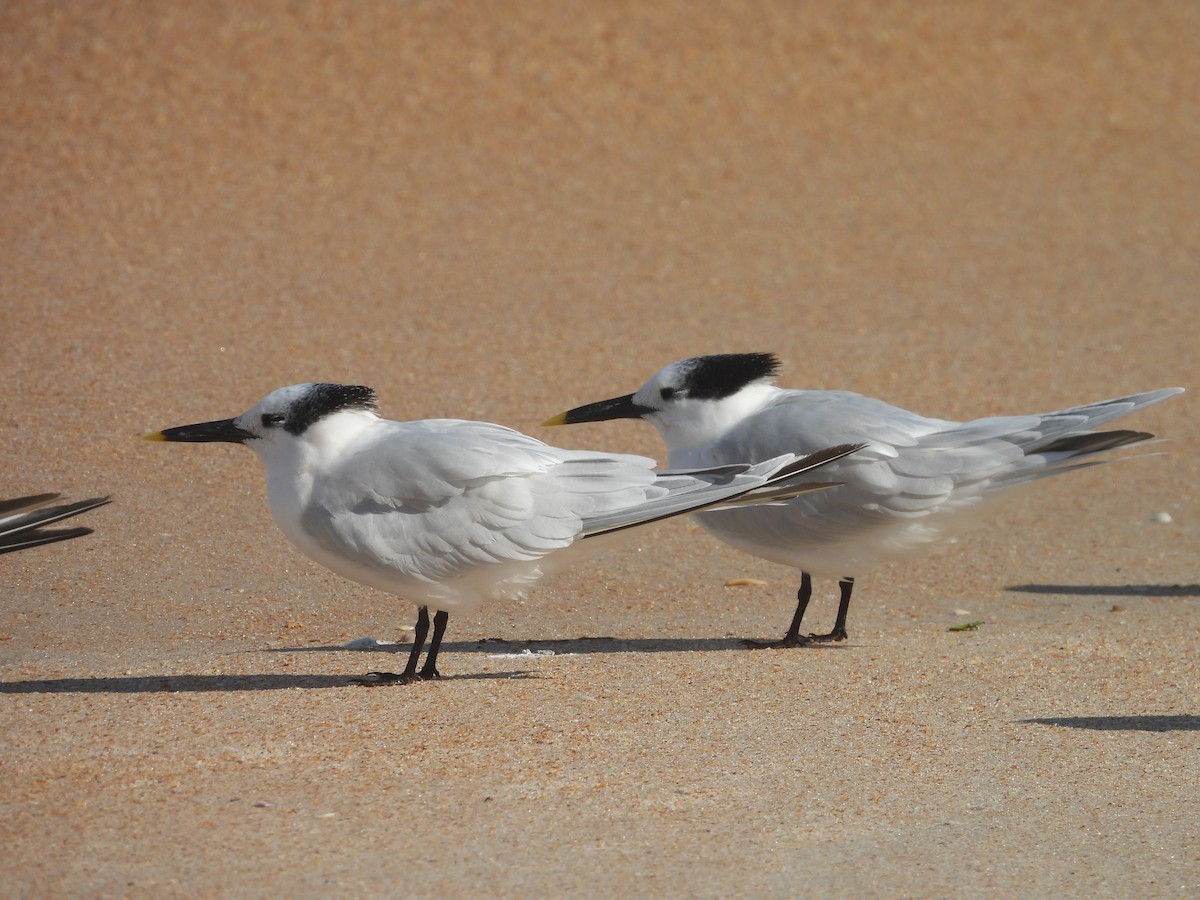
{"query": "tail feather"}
{"type": "Point", "coordinates": [1065, 422]}
{"type": "Point", "coordinates": [1105, 411]}
{"type": "Point", "coordinates": [1092, 442]}
{"type": "Point", "coordinates": [1061, 443]}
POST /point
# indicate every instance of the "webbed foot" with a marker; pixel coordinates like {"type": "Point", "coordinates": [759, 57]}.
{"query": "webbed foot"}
{"type": "Point", "coordinates": [838, 634]}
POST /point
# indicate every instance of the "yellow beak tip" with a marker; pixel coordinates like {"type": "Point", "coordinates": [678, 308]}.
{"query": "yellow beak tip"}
{"type": "Point", "coordinates": [560, 419]}
{"type": "Point", "coordinates": [153, 436]}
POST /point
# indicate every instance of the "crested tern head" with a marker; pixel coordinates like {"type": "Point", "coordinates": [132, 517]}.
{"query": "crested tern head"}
{"type": "Point", "coordinates": [917, 483]}
{"type": "Point", "coordinates": [449, 513]}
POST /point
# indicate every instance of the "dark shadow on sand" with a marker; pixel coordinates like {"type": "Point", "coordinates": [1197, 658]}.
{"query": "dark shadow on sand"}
{"type": "Point", "coordinates": [1110, 590]}
{"type": "Point", "coordinates": [1122, 723]}
{"type": "Point", "coordinates": [579, 645]}
{"type": "Point", "coordinates": [515, 650]}
{"type": "Point", "coordinates": [180, 684]}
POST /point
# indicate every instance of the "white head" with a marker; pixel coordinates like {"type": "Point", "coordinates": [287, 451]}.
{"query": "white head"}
{"type": "Point", "coordinates": [287, 421]}
{"type": "Point", "coordinates": [692, 401]}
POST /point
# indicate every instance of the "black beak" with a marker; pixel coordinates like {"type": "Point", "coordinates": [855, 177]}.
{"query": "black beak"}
{"type": "Point", "coordinates": [203, 432]}
{"type": "Point", "coordinates": [601, 411]}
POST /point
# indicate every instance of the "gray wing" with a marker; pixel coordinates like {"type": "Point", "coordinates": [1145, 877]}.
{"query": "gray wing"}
{"type": "Point", "coordinates": [911, 466]}
{"type": "Point", "coordinates": [437, 500]}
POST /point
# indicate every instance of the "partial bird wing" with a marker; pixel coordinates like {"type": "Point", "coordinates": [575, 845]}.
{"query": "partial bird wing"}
{"type": "Point", "coordinates": [24, 504]}
{"type": "Point", "coordinates": [23, 520]}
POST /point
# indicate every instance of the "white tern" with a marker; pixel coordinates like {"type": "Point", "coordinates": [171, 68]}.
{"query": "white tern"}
{"type": "Point", "coordinates": [917, 483]}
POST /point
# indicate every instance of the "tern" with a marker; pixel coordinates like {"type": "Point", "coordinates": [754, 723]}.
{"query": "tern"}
{"type": "Point", "coordinates": [23, 520]}
{"type": "Point", "coordinates": [918, 483]}
{"type": "Point", "coordinates": [449, 513]}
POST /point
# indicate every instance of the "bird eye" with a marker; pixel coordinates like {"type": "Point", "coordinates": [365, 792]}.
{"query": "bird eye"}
{"type": "Point", "coordinates": [270, 420]}
{"type": "Point", "coordinates": [667, 393]}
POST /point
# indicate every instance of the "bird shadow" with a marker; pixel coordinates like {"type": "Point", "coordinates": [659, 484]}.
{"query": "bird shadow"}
{"type": "Point", "coordinates": [1110, 590]}
{"type": "Point", "coordinates": [558, 647]}
{"type": "Point", "coordinates": [1122, 723]}
{"type": "Point", "coordinates": [182, 684]}
{"type": "Point", "coordinates": [499, 647]}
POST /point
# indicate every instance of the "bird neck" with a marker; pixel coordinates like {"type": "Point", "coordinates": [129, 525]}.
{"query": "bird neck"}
{"type": "Point", "coordinates": [321, 443]}
{"type": "Point", "coordinates": [328, 438]}
{"type": "Point", "coordinates": [691, 424]}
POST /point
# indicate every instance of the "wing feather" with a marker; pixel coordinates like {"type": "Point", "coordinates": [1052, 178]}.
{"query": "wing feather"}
{"type": "Point", "coordinates": [918, 481]}
{"type": "Point", "coordinates": [428, 505]}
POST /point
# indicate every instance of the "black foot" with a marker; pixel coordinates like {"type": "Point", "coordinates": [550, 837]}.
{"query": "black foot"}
{"type": "Point", "coordinates": [835, 635]}
{"type": "Point", "coordinates": [790, 640]}
{"type": "Point", "coordinates": [373, 679]}
{"type": "Point", "coordinates": [428, 674]}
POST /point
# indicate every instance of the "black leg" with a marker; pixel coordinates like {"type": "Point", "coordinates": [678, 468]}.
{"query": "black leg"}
{"type": "Point", "coordinates": [802, 597]}
{"type": "Point", "coordinates": [429, 670]}
{"type": "Point", "coordinates": [410, 671]}
{"type": "Point", "coordinates": [839, 627]}
{"type": "Point", "coordinates": [792, 638]}
{"type": "Point", "coordinates": [419, 634]}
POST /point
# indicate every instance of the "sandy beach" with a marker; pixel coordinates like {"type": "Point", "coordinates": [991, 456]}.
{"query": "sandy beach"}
{"type": "Point", "coordinates": [497, 213]}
